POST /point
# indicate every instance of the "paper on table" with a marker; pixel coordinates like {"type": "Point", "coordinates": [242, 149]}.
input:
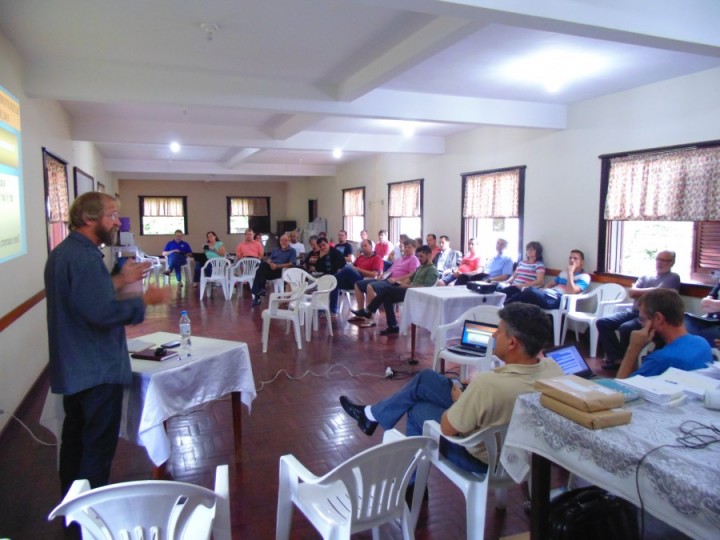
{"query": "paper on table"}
{"type": "Point", "coordinates": [137, 345]}
{"type": "Point", "coordinates": [693, 384]}
{"type": "Point", "coordinates": [655, 390]}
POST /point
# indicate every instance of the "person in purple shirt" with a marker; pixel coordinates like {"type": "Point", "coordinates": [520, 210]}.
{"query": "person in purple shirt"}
{"type": "Point", "coordinates": [661, 315]}
{"type": "Point", "coordinates": [402, 268]}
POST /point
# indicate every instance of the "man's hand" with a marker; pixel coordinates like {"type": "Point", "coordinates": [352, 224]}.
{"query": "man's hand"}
{"type": "Point", "coordinates": [156, 295]}
{"type": "Point", "coordinates": [571, 268]}
{"type": "Point", "coordinates": [133, 271]}
{"type": "Point", "coordinates": [640, 338]}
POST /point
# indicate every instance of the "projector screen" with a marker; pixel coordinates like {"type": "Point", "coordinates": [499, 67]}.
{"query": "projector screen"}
{"type": "Point", "coordinates": [12, 215]}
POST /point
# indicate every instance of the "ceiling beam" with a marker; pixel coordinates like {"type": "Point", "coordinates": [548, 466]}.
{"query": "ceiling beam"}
{"type": "Point", "coordinates": [239, 157]}
{"type": "Point", "coordinates": [172, 167]}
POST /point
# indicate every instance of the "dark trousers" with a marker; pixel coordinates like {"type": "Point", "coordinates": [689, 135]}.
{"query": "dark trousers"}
{"type": "Point", "coordinates": [710, 329]}
{"type": "Point", "coordinates": [624, 322]}
{"type": "Point", "coordinates": [262, 275]}
{"type": "Point", "coordinates": [544, 298]}
{"type": "Point", "coordinates": [198, 269]}
{"type": "Point", "coordinates": [388, 297]}
{"type": "Point", "coordinates": [90, 435]}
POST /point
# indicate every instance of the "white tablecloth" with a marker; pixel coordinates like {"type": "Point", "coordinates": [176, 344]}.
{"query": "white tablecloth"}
{"type": "Point", "coordinates": [161, 390]}
{"type": "Point", "coordinates": [429, 307]}
{"type": "Point", "coordinates": [680, 486]}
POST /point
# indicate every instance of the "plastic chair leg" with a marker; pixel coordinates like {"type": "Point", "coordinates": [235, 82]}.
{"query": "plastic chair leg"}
{"type": "Point", "coordinates": [265, 331]}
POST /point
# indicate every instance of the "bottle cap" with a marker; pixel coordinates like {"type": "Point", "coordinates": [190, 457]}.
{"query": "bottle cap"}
{"type": "Point", "coordinates": [183, 312]}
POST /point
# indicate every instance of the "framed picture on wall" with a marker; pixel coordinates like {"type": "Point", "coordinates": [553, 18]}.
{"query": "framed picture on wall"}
{"type": "Point", "coordinates": [101, 187]}
{"type": "Point", "coordinates": [56, 198]}
{"type": "Point", "coordinates": [83, 182]}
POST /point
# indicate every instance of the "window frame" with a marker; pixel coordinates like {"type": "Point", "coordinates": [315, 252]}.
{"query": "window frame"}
{"type": "Point", "coordinates": [698, 275]}
{"type": "Point", "coordinates": [228, 207]}
{"type": "Point", "coordinates": [521, 203]}
{"type": "Point", "coordinates": [346, 226]}
{"type": "Point", "coordinates": [392, 234]}
{"type": "Point", "coordinates": [141, 211]}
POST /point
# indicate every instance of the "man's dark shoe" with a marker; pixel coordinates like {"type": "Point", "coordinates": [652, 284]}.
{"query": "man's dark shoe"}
{"type": "Point", "coordinates": [390, 330]}
{"type": "Point", "coordinates": [256, 300]}
{"type": "Point", "coordinates": [362, 313]}
{"type": "Point", "coordinates": [357, 412]}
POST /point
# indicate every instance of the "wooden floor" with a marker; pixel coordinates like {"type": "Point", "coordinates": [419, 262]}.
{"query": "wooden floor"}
{"type": "Point", "coordinates": [299, 415]}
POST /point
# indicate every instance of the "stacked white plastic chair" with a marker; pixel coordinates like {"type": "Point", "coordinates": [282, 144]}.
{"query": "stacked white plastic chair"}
{"type": "Point", "coordinates": [284, 306]}
{"type": "Point", "coordinates": [243, 272]}
{"type": "Point", "coordinates": [318, 300]}
{"type": "Point", "coordinates": [219, 275]}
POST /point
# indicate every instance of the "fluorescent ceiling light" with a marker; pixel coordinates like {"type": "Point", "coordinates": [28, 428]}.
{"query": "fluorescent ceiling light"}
{"type": "Point", "coordinates": [337, 153]}
{"type": "Point", "coordinates": [555, 69]}
{"type": "Point", "coordinates": [174, 147]}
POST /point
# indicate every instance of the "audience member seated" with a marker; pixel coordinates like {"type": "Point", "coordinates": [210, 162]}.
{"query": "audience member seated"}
{"type": "Point", "coordinates": [383, 248]}
{"type": "Point", "coordinates": [500, 267]}
{"type": "Point", "coordinates": [271, 268]}
{"type": "Point", "coordinates": [298, 246]}
{"type": "Point", "coordinates": [398, 249]}
{"type": "Point", "coordinates": [367, 265]}
{"type": "Point", "coordinates": [249, 247]}
{"type": "Point", "coordinates": [626, 322]}
{"type": "Point", "coordinates": [468, 267]}
{"type": "Point", "coordinates": [447, 259]}
{"type": "Point", "coordinates": [213, 249]}
{"type": "Point", "coordinates": [312, 256]}
{"type": "Point", "coordinates": [432, 243]}
{"type": "Point", "coordinates": [573, 280]}
{"type": "Point", "coordinates": [661, 315]}
{"type": "Point", "coordinates": [344, 246]}
{"type": "Point", "coordinates": [424, 276]}
{"type": "Point", "coordinates": [177, 252]}
{"type": "Point", "coordinates": [530, 272]}
{"type": "Point", "coordinates": [488, 400]}
{"type": "Point", "coordinates": [365, 236]}
{"type": "Point", "coordinates": [402, 268]}
{"type": "Point", "coordinates": [706, 325]}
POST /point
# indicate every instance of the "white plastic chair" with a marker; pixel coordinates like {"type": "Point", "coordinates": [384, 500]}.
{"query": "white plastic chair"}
{"type": "Point", "coordinates": [284, 306]}
{"type": "Point", "coordinates": [607, 295]}
{"type": "Point", "coordinates": [557, 317]}
{"type": "Point", "coordinates": [156, 267]}
{"type": "Point", "coordinates": [242, 272]}
{"type": "Point", "coordinates": [186, 269]}
{"type": "Point", "coordinates": [474, 487]}
{"type": "Point", "coordinates": [318, 300]}
{"type": "Point", "coordinates": [345, 297]}
{"type": "Point", "coordinates": [362, 493]}
{"type": "Point", "coordinates": [155, 509]}
{"type": "Point", "coordinates": [220, 267]}
{"type": "Point", "coordinates": [296, 276]}
{"type": "Point", "coordinates": [486, 314]}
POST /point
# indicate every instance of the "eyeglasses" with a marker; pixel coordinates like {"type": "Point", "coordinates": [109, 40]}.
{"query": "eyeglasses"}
{"type": "Point", "coordinates": [664, 260]}
{"type": "Point", "coordinates": [114, 216]}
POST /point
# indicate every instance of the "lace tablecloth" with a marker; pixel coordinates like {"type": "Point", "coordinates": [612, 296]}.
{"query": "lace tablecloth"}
{"type": "Point", "coordinates": [680, 486]}
{"type": "Point", "coordinates": [161, 390]}
{"type": "Point", "coordinates": [429, 307]}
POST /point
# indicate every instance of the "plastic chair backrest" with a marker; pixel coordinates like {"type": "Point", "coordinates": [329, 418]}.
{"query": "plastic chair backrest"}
{"type": "Point", "coordinates": [161, 509]}
{"type": "Point", "coordinates": [248, 266]}
{"type": "Point", "coordinates": [219, 266]}
{"type": "Point", "coordinates": [609, 295]}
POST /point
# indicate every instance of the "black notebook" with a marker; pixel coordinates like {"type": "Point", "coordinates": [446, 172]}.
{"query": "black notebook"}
{"type": "Point", "coordinates": [151, 353]}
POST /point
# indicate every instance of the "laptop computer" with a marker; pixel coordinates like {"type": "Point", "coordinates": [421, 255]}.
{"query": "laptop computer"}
{"type": "Point", "coordinates": [571, 361]}
{"type": "Point", "coordinates": [476, 339]}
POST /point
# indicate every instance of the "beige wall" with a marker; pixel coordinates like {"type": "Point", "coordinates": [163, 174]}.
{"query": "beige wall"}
{"type": "Point", "coordinates": [207, 208]}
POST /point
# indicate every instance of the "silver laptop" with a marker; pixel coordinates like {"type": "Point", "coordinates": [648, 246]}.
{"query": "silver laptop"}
{"type": "Point", "coordinates": [475, 340]}
{"type": "Point", "coordinates": [571, 361]}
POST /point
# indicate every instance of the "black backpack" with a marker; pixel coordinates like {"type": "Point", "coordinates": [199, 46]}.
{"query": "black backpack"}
{"type": "Point", "coordinates": [592, 513]}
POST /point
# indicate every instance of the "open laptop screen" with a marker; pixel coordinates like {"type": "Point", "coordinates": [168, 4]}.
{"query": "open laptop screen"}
{"type": "Point", "coordinates": [477, 334]}
{"type": "Point", "coordinates": [570, 360]}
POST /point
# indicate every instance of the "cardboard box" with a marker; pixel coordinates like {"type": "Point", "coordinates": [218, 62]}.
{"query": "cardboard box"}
{"type": "Point", "coordinates": [591, 420]}
{"type": "Point", "coordinates": [580, 393]}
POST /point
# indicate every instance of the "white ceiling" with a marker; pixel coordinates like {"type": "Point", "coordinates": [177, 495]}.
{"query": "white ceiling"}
{"type": "Point", "coordinates": [284, 82]}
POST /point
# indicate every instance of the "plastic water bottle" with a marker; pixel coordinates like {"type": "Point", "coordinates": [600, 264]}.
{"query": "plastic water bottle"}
{"type": "Point", "coordinates": [185, 332]}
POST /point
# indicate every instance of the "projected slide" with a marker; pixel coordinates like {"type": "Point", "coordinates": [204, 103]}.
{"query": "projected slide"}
{"type": "Point", "coordinates": [12, 225]}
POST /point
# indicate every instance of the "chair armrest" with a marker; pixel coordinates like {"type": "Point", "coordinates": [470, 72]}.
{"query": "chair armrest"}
{"type": "Point", "coordinates": [295, 470]}
{"type": "Point", "coordinates": [392, 435]}
{"type": "Point", "coordinates": [431, 428]}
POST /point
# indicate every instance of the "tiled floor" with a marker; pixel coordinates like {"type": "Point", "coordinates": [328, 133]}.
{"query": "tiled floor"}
{"type": "Point", "coordinates": [298, 415]}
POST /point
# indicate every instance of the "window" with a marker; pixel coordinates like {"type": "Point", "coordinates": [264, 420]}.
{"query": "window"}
{"type": "Point", "coordinates": [354, 212]}
{"type": "Point", "coordinates": [405, 202]}
{"type": "Point", "coordinates": [244, 212]}
{"type": "Point", "coordinates": [666, 198]}
{"type": "Point", "coordinates": [493, 208]}
{"type": "Point", "coordinates": [163, 215]}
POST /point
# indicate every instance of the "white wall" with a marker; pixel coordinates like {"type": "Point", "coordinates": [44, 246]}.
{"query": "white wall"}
{"type": "Point", "coordinates": [44, 124]}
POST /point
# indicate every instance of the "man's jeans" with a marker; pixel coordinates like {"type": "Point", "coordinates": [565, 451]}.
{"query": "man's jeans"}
{"type": "Point", "coordinates": [625, 322]}
{"type": "Point", "coordinates": [544, 298]}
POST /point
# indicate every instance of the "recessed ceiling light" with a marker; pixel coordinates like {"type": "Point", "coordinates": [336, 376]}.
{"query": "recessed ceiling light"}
{"type": "Point", "coordinates": [174, 147]}
{"type": "Point", "coordinates": [337, 153]}
{"type": "Point", "coordinates": [555, 69]}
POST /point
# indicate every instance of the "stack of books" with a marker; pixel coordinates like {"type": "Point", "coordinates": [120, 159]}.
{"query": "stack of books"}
{"type": "Point", "coordinates": [584, 402]}
{"type": "Point", "coordinates": [656, 390]}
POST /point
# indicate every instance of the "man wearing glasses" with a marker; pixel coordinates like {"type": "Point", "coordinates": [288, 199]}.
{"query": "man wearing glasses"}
{"type": "Point", "coordinates": [627, 322]}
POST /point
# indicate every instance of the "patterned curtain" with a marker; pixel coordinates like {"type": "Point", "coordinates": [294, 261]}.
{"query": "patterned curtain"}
{"type": "Point", "coordinates": [163, 206]}
{"type": "Point", "coordinates": [354, 202]}
{"type": "Point", "coordinates": [404, 199]}
{"type": "Point", "coordinates": [674, 186]}
{"type": "Point", "coordinates": [492, 195]}
{"type": "Point", "coordinates": [248, 206]}
{"type": "Point", "coordinates": [57, 191]}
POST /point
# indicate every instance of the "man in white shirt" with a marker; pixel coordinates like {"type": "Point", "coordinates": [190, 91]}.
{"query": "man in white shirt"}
{"type": "Point", "coordinates": [299, 247]}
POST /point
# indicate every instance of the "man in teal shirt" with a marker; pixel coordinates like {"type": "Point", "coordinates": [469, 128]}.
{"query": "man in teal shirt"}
{"type": "Point", "coordinates": [424, 276]}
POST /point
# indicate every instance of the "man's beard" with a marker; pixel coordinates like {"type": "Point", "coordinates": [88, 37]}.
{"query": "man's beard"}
{"type": "Point", "coordinates": [106, 236]}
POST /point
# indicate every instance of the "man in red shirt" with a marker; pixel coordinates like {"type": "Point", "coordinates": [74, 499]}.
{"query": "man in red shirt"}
{"type": "Point", "coordinates": [249, 247]}
{"type": "Point", "coordinates": [367, 265]}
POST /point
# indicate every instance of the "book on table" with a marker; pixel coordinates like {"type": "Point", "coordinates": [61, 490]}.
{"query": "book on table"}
{"type": "Point", "coordinates": [156, 354]}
